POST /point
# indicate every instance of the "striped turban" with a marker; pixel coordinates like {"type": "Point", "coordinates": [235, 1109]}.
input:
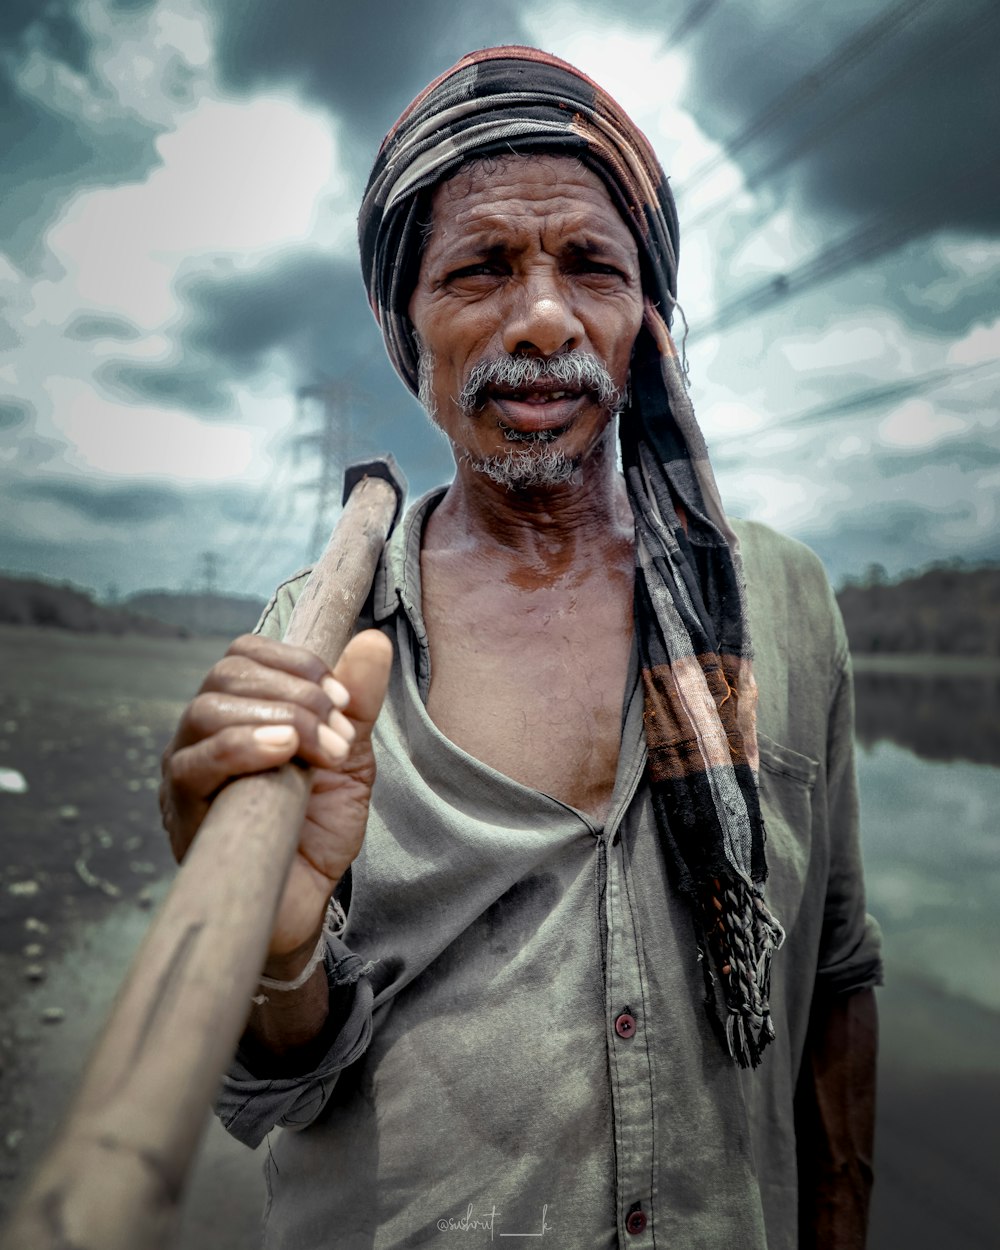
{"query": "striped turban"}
{"type": "Point", "coordinates": [690, 605]}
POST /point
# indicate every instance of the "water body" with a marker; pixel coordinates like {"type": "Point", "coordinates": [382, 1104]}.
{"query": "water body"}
{"type": "Point", "coordinates": [932, 859]}
{"type": "Point", "coordinates": [929, 778]}
{"type": "Point", "coordinates": [930, 792]}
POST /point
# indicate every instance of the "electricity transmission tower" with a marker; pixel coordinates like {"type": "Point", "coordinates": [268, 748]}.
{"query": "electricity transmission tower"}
{"type": "Point", "coordinates": [208, 572]}
{"type": "Point", "coordinates": [328, 405]}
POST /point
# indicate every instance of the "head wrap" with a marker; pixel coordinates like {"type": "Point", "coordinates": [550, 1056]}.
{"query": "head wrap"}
{"type": "Point", "coordinates": [690, 607]}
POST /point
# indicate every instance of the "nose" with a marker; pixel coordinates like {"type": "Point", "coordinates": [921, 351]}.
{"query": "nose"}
{"type": "Point", "coordinates": [542, 320]}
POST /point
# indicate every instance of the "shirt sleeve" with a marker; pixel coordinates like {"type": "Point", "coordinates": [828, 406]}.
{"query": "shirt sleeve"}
{"type": "Point", "coordinates": [249, 1107]}
{"type": "Point", "coordinates": [850, 956]}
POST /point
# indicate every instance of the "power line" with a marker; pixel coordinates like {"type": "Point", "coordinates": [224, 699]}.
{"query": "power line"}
{"type": "Point", "coordinates": [277, 509]}
{"type": "Point", "coordinates": [872, 239]}
{"type": "Point", "coordinates": [690, 21]}
{"type": "Point", "coordinates": [861, 401]}
{"type": "Point", "coordinates": [276, 537]}
{"type": "Point", "coordinates": [808, 86]}
{"type": "Point", "coordinates": [271, 514]}
{"type": "Point", "coordinates": [888, 392]}
{"type": "Point", "coordinates": [925, 60]}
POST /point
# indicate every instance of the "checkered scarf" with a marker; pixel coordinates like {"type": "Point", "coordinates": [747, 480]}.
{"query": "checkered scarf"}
{"type": "Point", "coordinates": [690, 605]}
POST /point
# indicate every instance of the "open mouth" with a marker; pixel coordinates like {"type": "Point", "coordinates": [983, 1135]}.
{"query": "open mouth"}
{"type": "Point", "coordinates": [534, 395]}
{"type": "Point", "coordinates": [532, 410]}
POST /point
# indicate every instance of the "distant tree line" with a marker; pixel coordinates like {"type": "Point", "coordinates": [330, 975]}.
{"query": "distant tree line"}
{"type": "Point", "coordinates": [949, 608]}
{"type": "Point", "coordinates": [163, 614]}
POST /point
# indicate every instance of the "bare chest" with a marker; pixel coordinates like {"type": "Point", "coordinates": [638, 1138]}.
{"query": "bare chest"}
{"type": "Point", "coordinates": [532, 682]}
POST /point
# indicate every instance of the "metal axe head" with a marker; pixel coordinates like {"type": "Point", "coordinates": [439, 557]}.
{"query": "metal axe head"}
{"type": "Point", "coordinates": [384, 467]}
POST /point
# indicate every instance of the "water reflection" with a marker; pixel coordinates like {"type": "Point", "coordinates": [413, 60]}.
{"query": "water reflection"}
{"type": "Point", "coordinates": [929, 746]}
{"type": "Point", "coordinates": [936, 717]}
{"type": "Point", "coordinates": [930, 792]}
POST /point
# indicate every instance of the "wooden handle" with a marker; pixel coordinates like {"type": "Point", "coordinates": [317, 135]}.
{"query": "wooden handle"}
{"type": "Point", "coordinates": [114, 1177]}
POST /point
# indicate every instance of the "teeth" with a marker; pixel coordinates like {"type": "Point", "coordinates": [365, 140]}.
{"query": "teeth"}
{"type": "Point", "coordinates": [538, 397]}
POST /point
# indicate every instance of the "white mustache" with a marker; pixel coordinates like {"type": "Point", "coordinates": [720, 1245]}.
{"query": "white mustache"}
{"type": "Point", "coordinates": [579, 370]}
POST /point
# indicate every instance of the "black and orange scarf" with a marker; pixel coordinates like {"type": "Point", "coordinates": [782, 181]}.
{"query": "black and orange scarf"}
{"type": "Point", "coordinates": [690, 605]}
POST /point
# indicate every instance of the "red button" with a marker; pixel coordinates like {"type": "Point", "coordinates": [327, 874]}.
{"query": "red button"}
{"type": "Point", "coordinates": [636, 1222]}
{"type": "Point", "coordinates": [625, 1027]}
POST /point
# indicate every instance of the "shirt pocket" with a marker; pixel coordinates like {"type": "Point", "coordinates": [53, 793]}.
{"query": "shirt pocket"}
{"type": "Point", "coordinates": [787, 779]}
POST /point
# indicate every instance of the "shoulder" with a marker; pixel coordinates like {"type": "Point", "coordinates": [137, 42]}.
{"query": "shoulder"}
{"type": "Point", "coordinates": [398, 564]}
{"type": "Point", "coordinates": [768, 555]}
{"type": "Point", "coordinates": [800, 647]}
{"type": "Point", "coordinates": [274, 619]}
{"type": "Point", "coordinates": [787, 585]}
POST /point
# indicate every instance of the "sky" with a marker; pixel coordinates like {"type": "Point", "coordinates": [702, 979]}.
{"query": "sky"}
{"type": "Point", "coordinates": [180, 295]}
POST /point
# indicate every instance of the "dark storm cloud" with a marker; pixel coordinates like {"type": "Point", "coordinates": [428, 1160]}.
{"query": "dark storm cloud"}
{"type": "Point", "coordinates": [14, 413]}
{"type": "Point", "coordinates": [108, 504]}
{"type": "Point", "coordinates": [86, 327]}
{"type": "Point", "coordinates": [904, 132]}
{"type": "Point", "coordinates": [23, 449]}
{"type": "Point", "coordinates": [31, 451]}
{"type": "Point", "coordinates": [49, 156]}
{"type": "Point", "coordinates": [55, 27]}
{"type": "Point", "coordinates": [364, 62]}
{"type": "Point", "coordinates": [901, 126]}
{"type": "Point", "coordinates": [189, 385]}
{"type": "Point", "coordinates": [118, 530]}
{"type": "Point", "coordinates": [309, 304]}
{"type": "Point", "coordinates": [308, 309]}
{"type": "Point", "coordinates": [140, 503]}
{"type": "Point", "coordinates": [312, 308]}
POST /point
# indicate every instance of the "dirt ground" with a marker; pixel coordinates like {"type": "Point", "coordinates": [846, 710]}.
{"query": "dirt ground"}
{"type": "Point", "coordinates": [83, 862]}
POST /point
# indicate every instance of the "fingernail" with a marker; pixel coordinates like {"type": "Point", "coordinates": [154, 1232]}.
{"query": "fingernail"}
{"type": "Point", "coordinates": [335, 692]}
{"type": "Point", "coordinates": [275, 735]}
{"type": "Point", "coordinates": [339, 723]}
{"type": "Point", "coordinates": [333, 744]}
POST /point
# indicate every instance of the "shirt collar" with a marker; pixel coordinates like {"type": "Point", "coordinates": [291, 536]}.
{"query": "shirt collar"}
{"type": "Point", "coordinates": [397, 579]}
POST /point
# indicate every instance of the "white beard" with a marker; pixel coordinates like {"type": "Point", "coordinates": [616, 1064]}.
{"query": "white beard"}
{"type": "Point", "coordinates": [523, 466]}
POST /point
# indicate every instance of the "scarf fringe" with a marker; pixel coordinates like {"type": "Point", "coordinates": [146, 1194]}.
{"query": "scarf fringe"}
{"type": "Point", "coordinates": [737, 971]}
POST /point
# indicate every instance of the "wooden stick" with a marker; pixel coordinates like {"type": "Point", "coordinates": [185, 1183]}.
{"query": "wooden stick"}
{"type": "Point", "coordinates": [114, 1177]}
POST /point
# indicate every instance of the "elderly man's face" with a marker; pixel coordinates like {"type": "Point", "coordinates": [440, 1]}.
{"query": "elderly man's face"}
{"type": "Point", "coordinates": [528, 259]}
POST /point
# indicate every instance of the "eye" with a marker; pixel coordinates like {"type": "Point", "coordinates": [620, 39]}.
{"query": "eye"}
{"type": "Point", "coordinates": [482, 268]}
{"type": "Point", "coordinates": [587, 265]}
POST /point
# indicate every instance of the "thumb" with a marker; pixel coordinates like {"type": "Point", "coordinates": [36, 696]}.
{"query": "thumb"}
{"type": "Point", "coordinates": [364, 669]}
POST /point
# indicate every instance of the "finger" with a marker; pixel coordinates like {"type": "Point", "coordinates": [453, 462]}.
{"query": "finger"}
{"type": "Point", "coordinates": [249, 678]}
{"type": "Point", "coordinates": [212, 713]}
{"type": "Point", "coordinates": [364, 669]}
{"type": "Point", "coordinates": [204, 767]}
{"type": "Point", "coordinates": [289, 659]}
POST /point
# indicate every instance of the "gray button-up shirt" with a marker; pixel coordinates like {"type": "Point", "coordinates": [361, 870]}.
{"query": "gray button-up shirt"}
{"type": "Point", "coordinates": [528, 1053]}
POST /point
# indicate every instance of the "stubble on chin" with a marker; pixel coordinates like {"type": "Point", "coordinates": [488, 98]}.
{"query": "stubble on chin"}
{"type": "Point", "coordinates": [528, 462]}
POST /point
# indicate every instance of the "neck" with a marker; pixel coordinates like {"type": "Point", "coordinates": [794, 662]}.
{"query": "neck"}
{"type": "Point", "coordinates": [543, 528]}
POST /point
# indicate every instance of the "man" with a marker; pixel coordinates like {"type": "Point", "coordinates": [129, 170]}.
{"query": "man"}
{"type": "Point", "coordinates": [552, 1011]}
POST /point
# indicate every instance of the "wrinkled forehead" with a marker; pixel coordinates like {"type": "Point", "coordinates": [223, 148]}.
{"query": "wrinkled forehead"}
{"type": "Point", "coordinates": [525, 176]}
{"type": "Point", "coordinates": [518, 175]}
